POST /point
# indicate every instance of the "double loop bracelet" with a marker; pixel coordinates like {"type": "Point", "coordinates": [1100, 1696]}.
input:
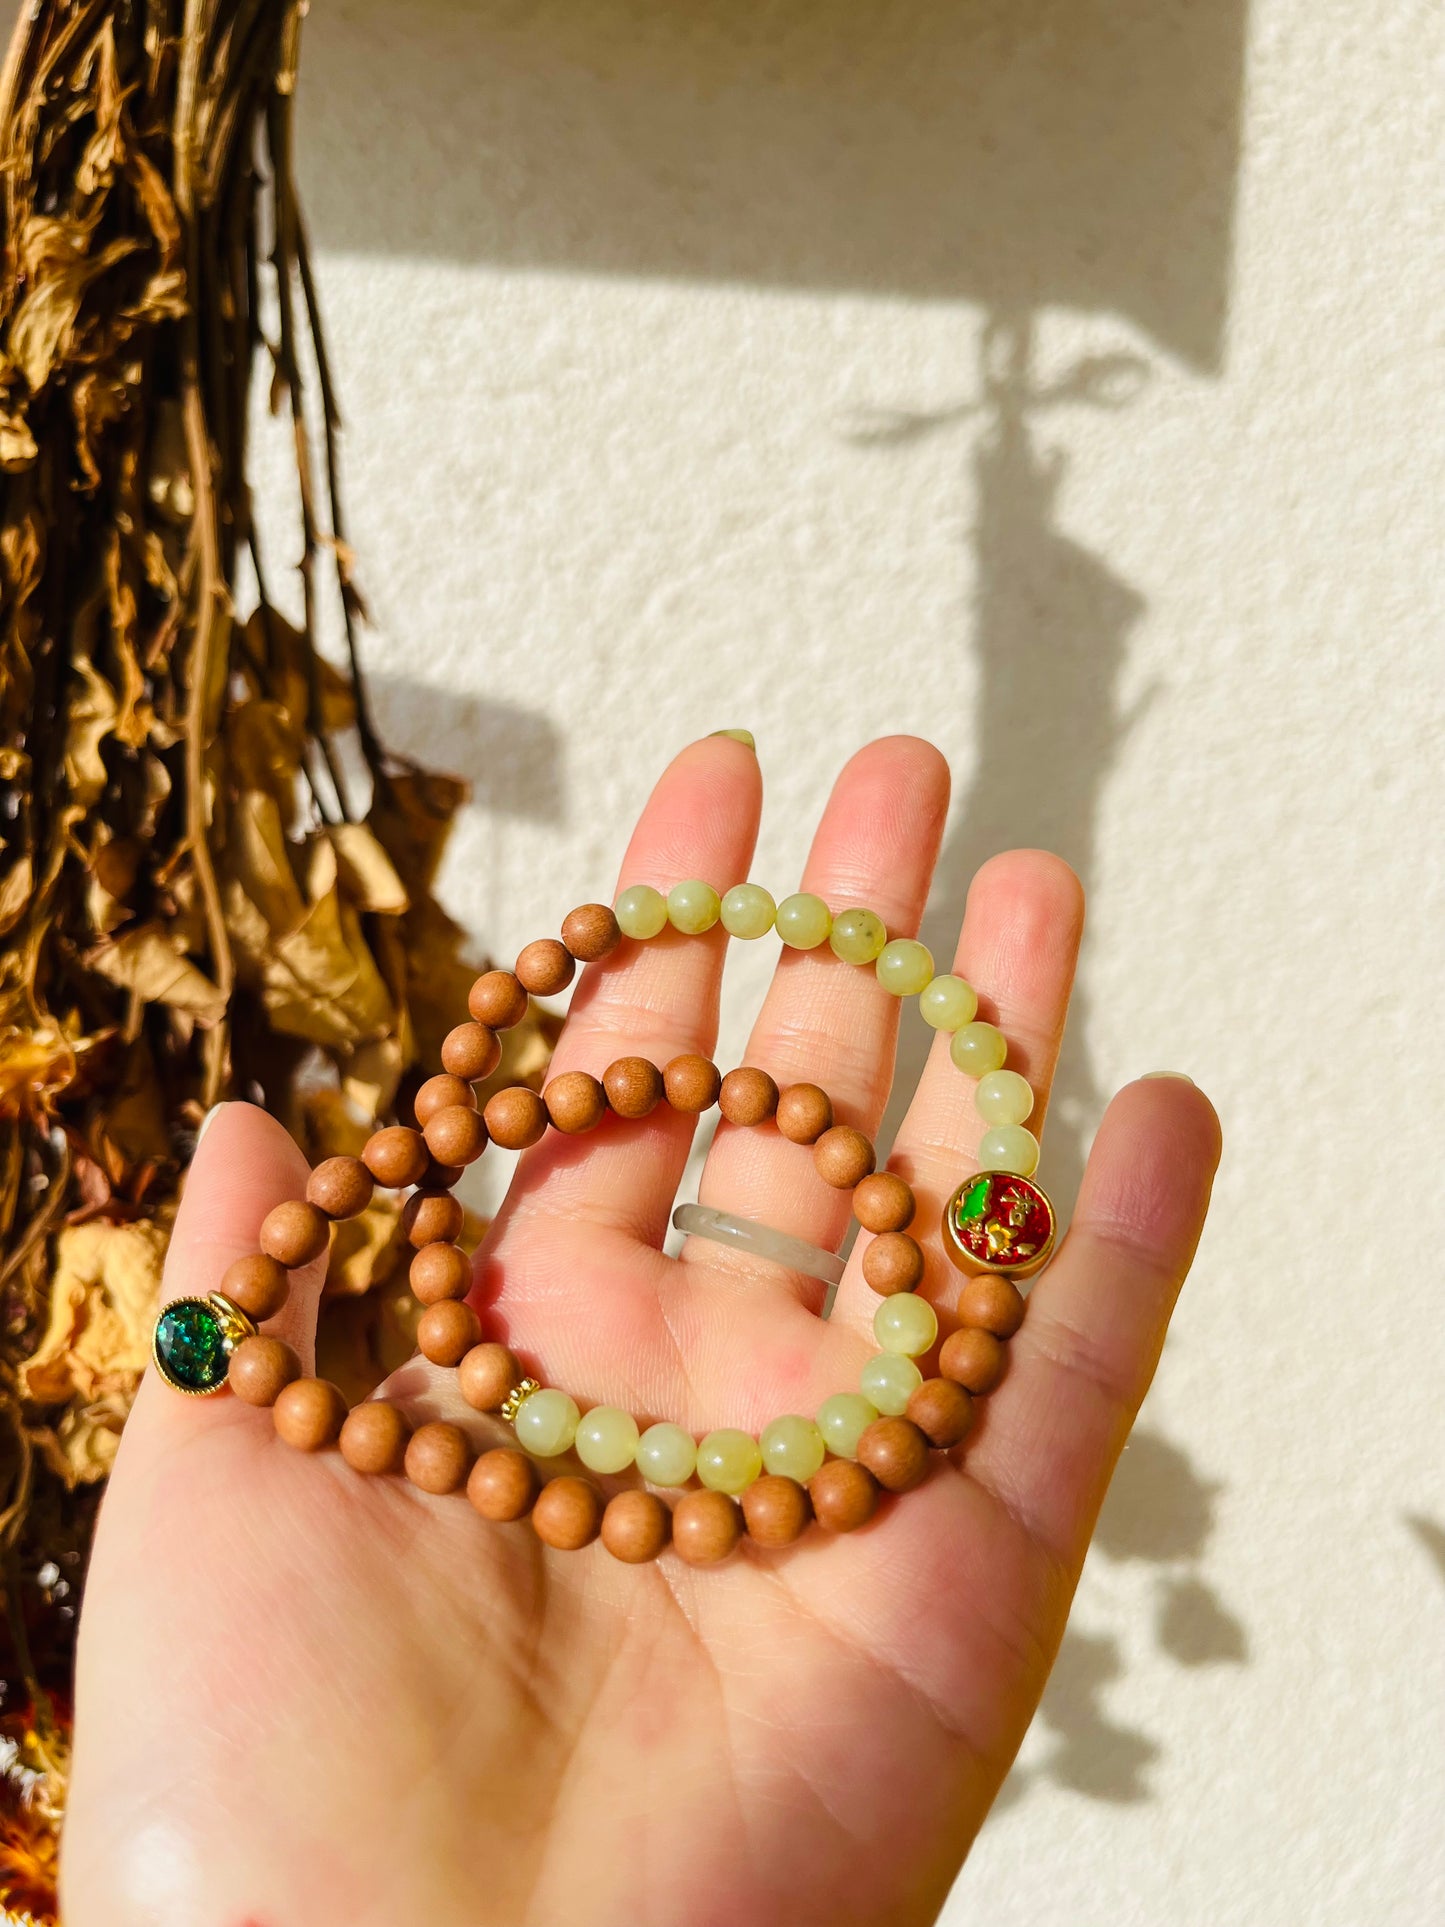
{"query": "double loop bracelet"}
{"type": "Point", "coordinates": [832, 1467]}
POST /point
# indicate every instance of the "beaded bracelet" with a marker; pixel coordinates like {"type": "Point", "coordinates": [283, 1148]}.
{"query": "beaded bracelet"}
{"type": "Point", "coordinates": [998, 1228]}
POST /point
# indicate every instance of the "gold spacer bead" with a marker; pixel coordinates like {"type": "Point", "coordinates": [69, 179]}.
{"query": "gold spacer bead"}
{"type": "Point", "coordinates": [516, 1395]}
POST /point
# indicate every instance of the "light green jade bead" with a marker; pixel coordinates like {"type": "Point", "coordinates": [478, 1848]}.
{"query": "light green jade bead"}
{"type": "Point", "coordinates": [804, 921]}
{"type": "Point", "coordinates": [666, 1455]}
{"type": "Point", "coordinates": [905, 966]}
{"type": "Point", "coordinates": [641, 911]}
{"type": "Point", "coordinates": [906, 1323]}
{"type": "Point", "coordinates": [858, 936]}
{"type": "Point", "coordinates": [978, 1049]}
{"type": "Point", "coordinates": [607, 1439]}
{"type": "Point", "coordinates": [948, 1003]}
{"type": "Point", "coordinates": [728, 1460]}
{"type": "Point", "coordinates": [1004, 1097]}
{"type": "Point", "coordinates": [546, 1423]}
{"type": "Point", "coordinates": [693, 907]}
{"type": "Point", "coordinates": [792, 1446]}
{"type": "Point", "coordinates": [748, 911]}
{"type": "Point", "coordinates": [888, 1381]}
{"type": "Point", "coordinates": [1009, 1147]}
{"type": "Point", "coordinates": [843, 1419]}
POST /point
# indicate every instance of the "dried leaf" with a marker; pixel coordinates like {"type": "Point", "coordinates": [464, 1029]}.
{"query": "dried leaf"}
{"type": "Point", "coordinates": [146, 962]}
{"type": "Point", "coordinates": [103, 1300]}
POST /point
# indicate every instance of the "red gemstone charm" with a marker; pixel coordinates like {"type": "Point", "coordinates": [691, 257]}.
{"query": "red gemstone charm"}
{"type": "Point", "coordinates": [997, 1221]}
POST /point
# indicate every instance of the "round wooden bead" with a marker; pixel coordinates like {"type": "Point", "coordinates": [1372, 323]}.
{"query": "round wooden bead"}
{"type": "Point", "coordinates": [545, 967]}
{"type": "Point", "coordinates": [439, 1177]}
{"type": "Point", "coordinates": [777, 1509]}
{"type": "Point", "coordinates": [575, 1102]}
{"type": "Point", "coordinates": [438, 1457]}
{"type": "Point", "coordinates": [486, 1375]}
{"type": "Point", "coordinates": [884, 1202]}
{"type": "Point", "coordinates": [992, 1304]}
{"type": "Point", "coordinates": [308, 1413]}
{"type": "Point", "coordinates": [440, 1271]}
{"type": "Point", "coordinates": [844, 1495]}
{"type": "Point", "coordinates": [804, 1113]}
{"type": "Point", "coordinates": [456, 1134]}
{"type": "Point", "coordinates": [504, 1484]}
{"type": "Point", "coordinates": [432, 1218]}
{"type": "Point", "coordinates": [447, 1330]}
{"type": "Point", "coordinates": [747, 1096]}
{"type": "Point", "coordinates": [636, 1526]}
{"type": "Point", "coordinates": [895, 1451]}
{"type": "Point", "coordinates": [498, 999]}
{"type": "Point", "coordinates": [341, 1187]}
{"type": "Point", "coordinates": [256, 1284]}
{"type": "Point", "coordinates": [294, 1233]}
{"type": "Point", "coordinates": [893, 1262]}
{"type": "Point", "coordinates": [374, 1437]}
{"type": "Point", "coordinates": [396, 1156]}
{"type": "Point", "coordinates": [515, 1117]}
{"type": "Point", "coordinates": [706, 1525]}
{"type": "Point", "coordinates": [437, 1093]}
{"type": "Point", "coordinates": [692, 1082]}
{"type": "Point", "coordinates": [261, 1368]}
{"type": "Point", "coordinates": [471, 1052]}
{"type": "Point", "coordinates": [568, 1513]}
{"type": "Point", "coordinates": [973, 1359]}
{"type": "Point", "coordinates": [591, 932]}
{"type": "Point", "coordinates": [843, 1156]}
{"type": "Point", "coordinates": [633, 1086]}
{"type": "Point", "coordinates": [942, 1411]}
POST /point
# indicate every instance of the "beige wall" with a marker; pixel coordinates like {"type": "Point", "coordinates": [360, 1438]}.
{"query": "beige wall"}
{"type": "Point", "coordinates": [1062, 382]}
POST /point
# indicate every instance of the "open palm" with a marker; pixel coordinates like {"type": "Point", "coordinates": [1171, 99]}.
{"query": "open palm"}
{"type": "Point", "coordinates": [309, 1699]}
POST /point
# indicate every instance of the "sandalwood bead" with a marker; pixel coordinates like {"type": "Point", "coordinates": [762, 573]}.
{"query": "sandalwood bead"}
{"type": "Point", "coordinates": [692, 1082]}
{"type": "Point", "coordinates": [486, 1375]}
{"type": "Point", "coordinates": [256, 1285]}
{"type": "Point", "coordinates": [635, 1527]}
{"type": "Point", "coordinates": [471, 1052]}
{"type": "Point", "coordinates": [396, 1156]}
{"type": "Point", "coordinates": [973, 1359]}
{"type": "Point", "coordinates": [747, 1096]}
{"type": "Point", "coordinates": [308, 1413]}
{"type": "Point", "coordinates": [633, 1086]}
{"type": "Point", "coordinates": [447, 1330]}
{"type": "Point", "coordinates": [884, 1202]}
{"type": "Point", "coordinates": [545, 967]}
{"type": "Point", "coordinates": [498, 999]}
{"type": "Point", "coordinates": [706, 1526]}
{"type": "Point", "coordinates": [439, 1177]}
{"type": "Point", "coordinates": [844, 1495]}
{"type": "Point", "coordinates": [567, 1514]}
{"type": "Point", "coordinates": [942, 1411]}
{"type": "Point", "coordinates": [437, 1094]}
{"type": "Point", "coordinates": [438, 1457]}
{"type": "Point", "coordinates": [895, 1451]}
{"type": "Point", "coordinates": [294, 1233]}
{"type": "Point", "coordinates": [261, 1368]}
{"type": "Point", "coordinates": [432, 1218]}
{"type": "Point", "coordinates": [456, 1134]}
{"type": "Point", "coordinates": [843, 1156]}
{"type": "Point", "coordinates": [515, 1117]}
{"type": "Point", "coordinates": [591, 932]}
{"type": "Point", "coordinates": [440, 1271]}
{"type": "Point", "coordinates": [992, 1304]}
{"type": "Point", "coordinates": [575, 1102]}
{"type": "Point", "coordinates": [804, 1113]}
{"type": "Point", "coordinates": [341, 1187]}
{"type": "Point", "coordinates": [374, 1437]}
{"type": "Point", "coordinates": [893, 1262]}
{"type": "Point", "coordinates": [777, 1510]}
{"type": "Point", "coordinates": [504, 1484]}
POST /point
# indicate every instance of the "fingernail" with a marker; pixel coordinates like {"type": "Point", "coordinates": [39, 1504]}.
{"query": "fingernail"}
{"type": "Point", "coordinates": [1180, 1075]}
{"type": "Point", "coordinates": [206, 1121]}
{"type": "Point", "coordinates": [743, 736]}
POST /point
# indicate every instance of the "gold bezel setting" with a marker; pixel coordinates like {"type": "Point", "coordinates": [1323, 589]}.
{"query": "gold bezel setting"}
{"type": "Point", "coordinates": [231, 1323]}
{"type": "Point", "coordinates": [1015, 1220]}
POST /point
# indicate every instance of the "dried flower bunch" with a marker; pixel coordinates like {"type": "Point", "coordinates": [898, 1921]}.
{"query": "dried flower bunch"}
{"type": "Point", "coordinates": [202, 844]}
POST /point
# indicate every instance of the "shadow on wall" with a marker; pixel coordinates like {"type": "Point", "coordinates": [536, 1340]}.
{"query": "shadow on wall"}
{"type": "Point", "coordinates": [1015, 154]}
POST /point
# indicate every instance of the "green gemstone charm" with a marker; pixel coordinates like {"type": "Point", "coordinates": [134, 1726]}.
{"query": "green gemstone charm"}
{"type": "Point", "coordinates": [194, 1339]}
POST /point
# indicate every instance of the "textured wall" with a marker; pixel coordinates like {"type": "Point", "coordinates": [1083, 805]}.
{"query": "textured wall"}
{"type": "Point", "coordinates": [1060, 381]}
